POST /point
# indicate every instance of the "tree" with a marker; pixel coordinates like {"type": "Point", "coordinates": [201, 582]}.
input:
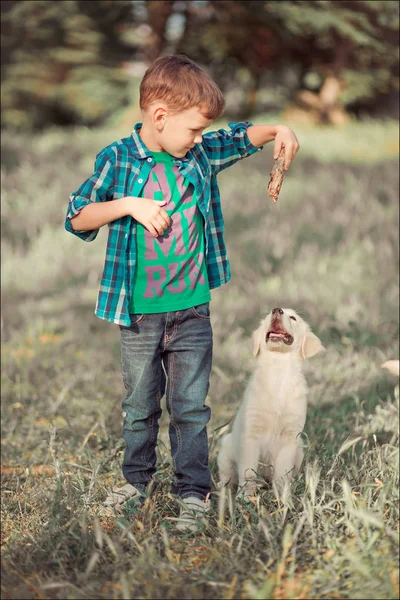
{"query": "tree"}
{"type": "Point", "coordinates": [60, 61]}
{"type": "Point", "coordinates": [343, 52]}
{"type": "Point", "coordinates": [158, 13]}
{"type": "Point", "coordinates": [347, 52]}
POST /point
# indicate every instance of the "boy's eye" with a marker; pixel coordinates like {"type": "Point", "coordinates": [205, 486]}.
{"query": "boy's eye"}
{"type": "Point", "coordinates": [294, 318]}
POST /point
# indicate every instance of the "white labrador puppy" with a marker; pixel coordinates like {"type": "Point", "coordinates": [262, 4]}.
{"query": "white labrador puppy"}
{"type": "Point", "coordinates": [393, 366]}
{"type": "Point", "coordinates": [265, 436]}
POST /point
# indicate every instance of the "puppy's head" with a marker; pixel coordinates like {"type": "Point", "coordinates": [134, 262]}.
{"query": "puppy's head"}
{"type": "Point", "coordinates": [283, 330]}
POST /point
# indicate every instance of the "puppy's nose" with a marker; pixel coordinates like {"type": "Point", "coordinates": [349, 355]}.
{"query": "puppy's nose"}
{"type": "Point", "coordinates": [277, 311]}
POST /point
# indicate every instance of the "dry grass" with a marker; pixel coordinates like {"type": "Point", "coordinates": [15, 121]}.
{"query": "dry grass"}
{"type": "Point", "coordinates": [329, 248]}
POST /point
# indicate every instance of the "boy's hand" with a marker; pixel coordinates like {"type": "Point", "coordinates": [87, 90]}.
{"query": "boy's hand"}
{"type": "Point", "coordinates": [286, 138]}
{"type": "Point", "coordinates": [150, 214]}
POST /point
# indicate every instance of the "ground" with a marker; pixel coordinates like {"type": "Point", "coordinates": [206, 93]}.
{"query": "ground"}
{"type": "Point", "coordinates": [328, 249]}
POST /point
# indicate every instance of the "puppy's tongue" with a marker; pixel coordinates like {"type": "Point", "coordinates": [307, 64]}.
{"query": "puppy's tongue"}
{"type": "Point", "coordinates": [276, 336]}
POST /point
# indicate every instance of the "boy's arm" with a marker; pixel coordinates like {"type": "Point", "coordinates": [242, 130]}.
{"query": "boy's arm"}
{"type": "Point", "coordinates": [146, 211]}
{"type": "Point", "coordinates": [225, 148]}
{"type": "Point", "coordinates": [91, 206]}
{"type": "Point", "coordinates": [96, 189]}
{"type": "Point", "coordinates": [96, 214]}
{"type": "Point", "coordinates": [283, 136]}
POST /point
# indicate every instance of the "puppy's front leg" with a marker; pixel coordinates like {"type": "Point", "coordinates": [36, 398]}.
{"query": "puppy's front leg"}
{"type": "Point", "coordinates": [298, 459]}
{"type": "Point", "coordinates": [226, 462]}
{"type": "Point", "coordinates": [248, 464]}
{"type": "Point", "coordinates": [285, 461]}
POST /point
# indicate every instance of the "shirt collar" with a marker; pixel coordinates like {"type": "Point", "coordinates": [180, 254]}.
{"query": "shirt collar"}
{"type": "Point", "coordinates": [140, 149]}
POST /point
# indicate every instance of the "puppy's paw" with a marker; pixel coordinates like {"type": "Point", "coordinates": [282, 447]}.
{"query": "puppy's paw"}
{"type": "Point", "coordinates": [246, 495]}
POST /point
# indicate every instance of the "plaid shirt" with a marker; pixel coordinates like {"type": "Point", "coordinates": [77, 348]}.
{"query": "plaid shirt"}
{"type": "Point", "coordinates": [121, 169]}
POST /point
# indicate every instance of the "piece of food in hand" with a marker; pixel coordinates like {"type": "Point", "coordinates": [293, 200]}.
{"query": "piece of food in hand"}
{"type": "Point", "coordinates": [276, 179]}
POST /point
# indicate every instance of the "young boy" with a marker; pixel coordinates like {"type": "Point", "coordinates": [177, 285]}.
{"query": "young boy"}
{"type": "Point", "coordinates": [158, 193]}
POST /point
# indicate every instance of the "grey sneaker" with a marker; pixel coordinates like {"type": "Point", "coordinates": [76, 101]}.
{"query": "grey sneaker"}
{"type": "Point", "coordinates": [124, 500]}
{"type": "Point", "coordinates": [193, 510]}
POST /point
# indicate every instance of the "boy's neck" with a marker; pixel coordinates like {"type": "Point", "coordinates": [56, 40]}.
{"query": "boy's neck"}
{"type": "Point", "coordinates": [148, 138]}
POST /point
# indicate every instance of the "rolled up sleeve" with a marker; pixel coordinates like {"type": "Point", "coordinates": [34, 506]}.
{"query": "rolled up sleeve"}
{"type": "Point", "coordinates": [224, 148]}
{"type": "Point", "coordinates": [99, 187]}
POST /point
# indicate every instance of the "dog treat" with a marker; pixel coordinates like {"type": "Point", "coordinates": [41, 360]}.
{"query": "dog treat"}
{"type": "Point", "coordinates": [276, 176]}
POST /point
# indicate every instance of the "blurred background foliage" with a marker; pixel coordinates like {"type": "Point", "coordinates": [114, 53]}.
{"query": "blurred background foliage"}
{"type": "Point", "coordinates": [79, 62]}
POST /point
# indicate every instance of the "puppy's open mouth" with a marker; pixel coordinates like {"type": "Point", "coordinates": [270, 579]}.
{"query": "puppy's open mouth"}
{"type": "Point", "coordinates": [279, 335]}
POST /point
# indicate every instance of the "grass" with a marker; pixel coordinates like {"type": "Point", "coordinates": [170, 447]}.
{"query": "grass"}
{"type": "Point", "coordinates": [329, 249]}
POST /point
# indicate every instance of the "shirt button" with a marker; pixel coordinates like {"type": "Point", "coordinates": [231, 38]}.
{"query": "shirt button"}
{"type": "Point", "coordinates": [140, 180]}
{"type": "Point", "coordinates": [149, 159]}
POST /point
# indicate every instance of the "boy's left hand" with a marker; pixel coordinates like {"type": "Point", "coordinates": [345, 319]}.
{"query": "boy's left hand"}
{"type": "Point", "coordinates": [286, 137]}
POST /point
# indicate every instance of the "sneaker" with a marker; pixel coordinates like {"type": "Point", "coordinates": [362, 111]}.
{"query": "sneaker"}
{"type": "Point", "coordinates": [124, 500]}
{"type": "Point", "coordinates": [192, 510]}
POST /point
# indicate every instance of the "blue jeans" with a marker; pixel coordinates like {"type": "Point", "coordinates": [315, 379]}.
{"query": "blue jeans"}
{"type": "Point", "coordinates": [168, 353]}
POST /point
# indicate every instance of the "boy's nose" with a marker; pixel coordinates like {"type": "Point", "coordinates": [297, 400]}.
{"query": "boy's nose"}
{"type": "Point", "coordinates": [198, 139]}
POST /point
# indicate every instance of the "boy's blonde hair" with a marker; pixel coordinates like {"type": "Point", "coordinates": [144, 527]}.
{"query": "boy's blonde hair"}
{"type": "Point", "coordinates": [181, 84]}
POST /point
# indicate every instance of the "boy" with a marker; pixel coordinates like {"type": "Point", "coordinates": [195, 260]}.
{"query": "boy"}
{"type": "Point", "coordinates": [158, 193]}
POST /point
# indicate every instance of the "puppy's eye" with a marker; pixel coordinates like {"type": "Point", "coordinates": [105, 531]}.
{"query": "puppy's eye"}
{"type": "Point", "coordinates": [294, 318]}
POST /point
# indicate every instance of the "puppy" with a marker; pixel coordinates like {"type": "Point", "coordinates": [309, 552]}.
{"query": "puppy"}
{"type": "Point", "coordinates": [265, 436]}
{"type": "Point", "coordinates": [393, 366]}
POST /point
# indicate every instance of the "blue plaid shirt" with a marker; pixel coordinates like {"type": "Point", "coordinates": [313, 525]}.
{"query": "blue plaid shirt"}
{"type": "Point", "coordinates": [121, 169]}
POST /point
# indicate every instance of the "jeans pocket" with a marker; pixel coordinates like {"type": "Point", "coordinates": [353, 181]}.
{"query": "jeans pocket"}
{"type": "Point", "coordinates": [135, 320]}
{"type": "Point", "coordinates": [202, 311]}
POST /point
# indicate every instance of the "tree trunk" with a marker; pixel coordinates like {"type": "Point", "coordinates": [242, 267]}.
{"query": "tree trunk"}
{"type": "Point", "coordinates": [322, 108]}
{"type": "Point", "coordinates": [252, 95]}
{"type": "Point", "coordinates": [158, 11]}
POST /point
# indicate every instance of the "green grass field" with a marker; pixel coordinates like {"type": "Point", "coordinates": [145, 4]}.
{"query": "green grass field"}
{"type": "Point", "coordinates": [328, 249]}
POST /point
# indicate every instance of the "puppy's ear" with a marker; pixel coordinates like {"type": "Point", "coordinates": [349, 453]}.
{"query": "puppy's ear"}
{"type": "Point", "coordinates": [311, 345]}
{"type": "Point", "coordinates": [257, 341]}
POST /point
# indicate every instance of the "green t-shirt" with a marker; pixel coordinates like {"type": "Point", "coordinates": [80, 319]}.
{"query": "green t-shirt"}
{"type": "Point", "coordinates": [171, 272]}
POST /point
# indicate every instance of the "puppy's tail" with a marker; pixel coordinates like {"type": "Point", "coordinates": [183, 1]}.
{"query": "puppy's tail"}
{"type": "Point", "coordinates": [393, 366]}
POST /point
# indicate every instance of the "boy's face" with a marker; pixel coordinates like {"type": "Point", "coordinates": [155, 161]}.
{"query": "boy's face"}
{"type": "Point", "coordinates": [177, 133]}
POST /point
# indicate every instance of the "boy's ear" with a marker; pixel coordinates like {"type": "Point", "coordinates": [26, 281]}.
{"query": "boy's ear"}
{"type": "Point", "coordinates": [311, 345]}
{"type": "Point", "coordinates": [159, 114]}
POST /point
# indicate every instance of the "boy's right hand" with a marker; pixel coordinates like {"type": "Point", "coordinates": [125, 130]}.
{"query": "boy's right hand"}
{"type": "Point", "coordinates": [150, 214]}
